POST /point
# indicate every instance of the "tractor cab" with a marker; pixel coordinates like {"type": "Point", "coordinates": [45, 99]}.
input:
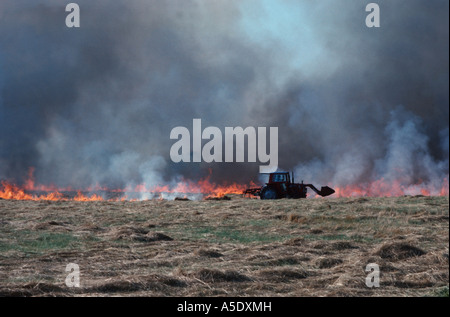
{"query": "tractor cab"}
{"type": "Point", "coordinates": [279, 182]}
{"type": "Point", "coordinates": [279, 178]}
{"type": "Point", "coordinates": [281, 186]}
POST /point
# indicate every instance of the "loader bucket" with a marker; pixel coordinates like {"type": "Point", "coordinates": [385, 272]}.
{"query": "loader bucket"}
{"type": "Point", "coordinates": [326, 191]}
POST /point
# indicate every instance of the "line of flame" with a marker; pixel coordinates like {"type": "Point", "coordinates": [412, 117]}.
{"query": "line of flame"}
{"type": "Point", "coordinates": [378, 188]}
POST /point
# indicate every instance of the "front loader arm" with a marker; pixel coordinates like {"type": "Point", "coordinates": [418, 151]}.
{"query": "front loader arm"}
{"type": "Point", "coordinates": [324, 191]}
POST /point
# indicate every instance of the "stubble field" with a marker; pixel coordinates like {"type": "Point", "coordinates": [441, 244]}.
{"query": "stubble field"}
{"type": "Point", "coordinates": [238, 247]}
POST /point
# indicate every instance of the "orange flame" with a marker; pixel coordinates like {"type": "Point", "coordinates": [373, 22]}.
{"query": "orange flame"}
{"type": "Point", "coordinates": [382, 188]}
{"type": "Point", "coordinates": [81, 197]}
{"type": "Point", "coordinates": [13, 192]}
{"type": "Point", "coordinates": [204, 187]}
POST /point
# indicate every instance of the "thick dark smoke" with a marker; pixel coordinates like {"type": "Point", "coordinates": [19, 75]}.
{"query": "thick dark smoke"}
{"type": "Point", "coordinates": [95, 105]}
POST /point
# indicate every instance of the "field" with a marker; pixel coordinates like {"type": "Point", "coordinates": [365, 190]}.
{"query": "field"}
{"type": "Point", "coordinates": [238, 247]}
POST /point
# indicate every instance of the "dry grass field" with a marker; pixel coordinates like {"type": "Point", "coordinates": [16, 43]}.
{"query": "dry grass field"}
{"type": "Point", "coordinates": [238, 247]}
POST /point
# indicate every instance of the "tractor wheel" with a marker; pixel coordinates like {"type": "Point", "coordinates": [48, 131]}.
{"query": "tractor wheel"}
{"type": "Point", "coordinates": [268, 193]}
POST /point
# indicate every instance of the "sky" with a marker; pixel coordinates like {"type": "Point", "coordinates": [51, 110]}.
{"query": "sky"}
{"type": "Point", "coordinates": [96, 104]}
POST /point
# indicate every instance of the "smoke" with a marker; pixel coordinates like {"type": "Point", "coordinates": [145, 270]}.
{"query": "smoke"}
{"type": "Point", "coordinates": [96, 105]}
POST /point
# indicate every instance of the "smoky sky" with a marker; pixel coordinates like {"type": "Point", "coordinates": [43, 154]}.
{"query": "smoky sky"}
{"type": "Point", "coordinates": [96, 104]}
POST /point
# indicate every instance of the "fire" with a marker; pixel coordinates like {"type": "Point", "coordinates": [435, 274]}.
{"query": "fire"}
{"type": "Point", "coordinates": [10, 191]}
{"type": "Point", "coordinates": [383, 188]}
{"type": "Point", "coordinates": [13, 192]}
{"type": "Point", "coordinates": [81, 197]}
{"type": "Point", "coordinates": [206, 188]}
{"type": "Point", "coordinates": [203, 187]}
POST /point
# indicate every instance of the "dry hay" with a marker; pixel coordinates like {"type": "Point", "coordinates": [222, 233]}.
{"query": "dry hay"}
{"type": "Point", "coordinates": [15, 292]}
{"type": "Point", "coordinates": [357, 200]}
{"type": "Point", "coordinates": [282, 275]}
{"type": "Point", "coordinates": [31, 289]}
{"type": "Point", "coordinates": [208, 253]}
{"type": "Point", "coordinates": [292, 218]}
{"type": "Point", "coordinates": [152, 282]}
{"type": "Point", "coordinates": [326, 263]}
{"type": "Point", "coordinates": [311, 247]}
{"type": "Point", "coordinates": [124, 232]}
{"type": "Point", "coordinates": [295, 242]}
{"type": "Point", "coordinates": [52, 226]}
{"type": "Point", "coordinates": [157, 236]}
{"type": "Point", "coordinates": [399, 251]}
{"type": "Point", "coordinates": [216, 276]}
{"type": "Point", "coordinates": [342, 245]}
{"type": "Point", "coordinates": [132, 233]}
{"type": "Point", "coordinates": [119, 287]}
{"type": "Point", "coordinates": [218, 198]}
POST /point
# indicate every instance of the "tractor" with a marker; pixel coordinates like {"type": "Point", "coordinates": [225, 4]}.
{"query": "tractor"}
{"type": "Point", "coordinates": [280, 186]}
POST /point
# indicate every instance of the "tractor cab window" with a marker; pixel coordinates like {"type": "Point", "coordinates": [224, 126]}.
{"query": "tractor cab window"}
{"type": "Point", "coordinates": [279, 178]}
